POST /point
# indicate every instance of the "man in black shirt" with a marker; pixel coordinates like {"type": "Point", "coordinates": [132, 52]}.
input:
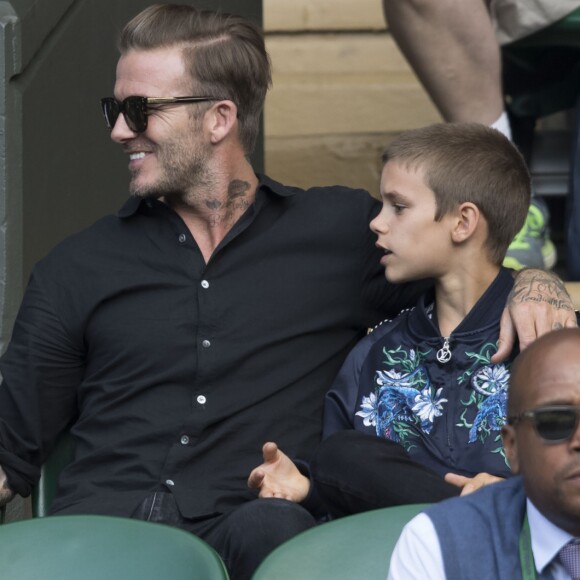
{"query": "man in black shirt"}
{"type": "Point", "coordinates": [209, 315]}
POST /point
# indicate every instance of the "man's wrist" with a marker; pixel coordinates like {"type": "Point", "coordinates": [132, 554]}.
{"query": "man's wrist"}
{"type": "Point", "coordinates": [534, 285]}
{"type": "Point", "coordinates": [6, 494]}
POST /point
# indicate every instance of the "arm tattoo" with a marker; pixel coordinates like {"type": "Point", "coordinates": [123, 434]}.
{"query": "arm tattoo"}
{"type": "Point", "coordinates": [540, 286]}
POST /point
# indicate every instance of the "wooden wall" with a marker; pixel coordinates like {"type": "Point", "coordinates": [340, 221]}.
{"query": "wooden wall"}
{"type": "Point", "coordinates": [341, 91]}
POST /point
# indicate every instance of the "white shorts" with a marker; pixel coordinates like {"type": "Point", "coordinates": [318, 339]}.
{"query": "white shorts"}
{"type": "Point", "coordinates": [515, 19]}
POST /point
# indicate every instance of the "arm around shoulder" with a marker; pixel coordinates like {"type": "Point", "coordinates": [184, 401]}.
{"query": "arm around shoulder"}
{"type": "Point", "coordinates": [537, 304]}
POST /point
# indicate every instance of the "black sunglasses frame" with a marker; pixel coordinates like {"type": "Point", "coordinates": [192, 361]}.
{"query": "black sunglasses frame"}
{"type": "Point", "coordinates": [135, 109]}
{"type": "Point", "coordinates": [536, 415]}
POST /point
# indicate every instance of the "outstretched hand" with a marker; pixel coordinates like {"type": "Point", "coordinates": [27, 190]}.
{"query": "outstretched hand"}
{"type": "Point", "coordinates": [470, 484]}
{"type": "Point", "coordinates": [278, 476]}
{"type": "Point", "coordinates": [537, 304]}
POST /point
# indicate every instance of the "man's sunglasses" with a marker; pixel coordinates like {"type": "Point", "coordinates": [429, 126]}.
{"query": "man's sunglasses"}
{"type": "Point", "coordinates": [136, 109]}
{"type": "Point", "coordinates": [554, 424]}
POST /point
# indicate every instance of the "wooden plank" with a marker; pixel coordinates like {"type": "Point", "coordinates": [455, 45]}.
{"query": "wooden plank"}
{"type": "Point", "coordinates": [342, 84]}
{"type": "Point", "coordinates": [573, 289]}
{"type": "Point", "coordinates": [303, 15]}
{"type": "Point", "coordinates": [352, 160]}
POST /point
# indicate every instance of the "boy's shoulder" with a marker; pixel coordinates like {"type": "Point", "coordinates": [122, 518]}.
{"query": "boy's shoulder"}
{"type": "Point", "coordinates": [366, 348]}
{"type": "Point", "coordinates": [388, 325]}
{"type": "Point", "coordinates": [384, 323]}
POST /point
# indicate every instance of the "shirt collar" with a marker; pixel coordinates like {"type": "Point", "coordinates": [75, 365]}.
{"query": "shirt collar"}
{"type": "Point", "coordinates": [547, 538]}
{"type": "Point", "coordinates": [277, 188]}
{"type": "Point", "coordinates": [132, 205]}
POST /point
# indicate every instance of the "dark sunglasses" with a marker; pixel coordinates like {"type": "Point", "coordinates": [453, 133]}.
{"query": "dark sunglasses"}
{"type": "Point", "coordinates": [136, 109]}
{"type": "Point", "coordinates": [554, 424]}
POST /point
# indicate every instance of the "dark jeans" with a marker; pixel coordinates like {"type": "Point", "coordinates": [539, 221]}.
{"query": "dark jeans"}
{"type": "Point", "coordinates": [242, 537]}
{"type": "Point", "coordinates": [354, 472]}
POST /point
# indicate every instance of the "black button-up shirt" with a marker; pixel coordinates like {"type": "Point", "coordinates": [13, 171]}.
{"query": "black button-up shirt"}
{"type": "Point", "coordinates": [173, 372]}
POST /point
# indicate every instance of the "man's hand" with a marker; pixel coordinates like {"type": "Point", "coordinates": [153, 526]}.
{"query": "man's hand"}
{"type": "Point", "coordinates": [537, 304]}
{"type": "Point", "coordinates": [278, 476]}
{"type": "Point", "coordinates": [470, 484]}
{"type": "Point", "coordinates": [6, 494]}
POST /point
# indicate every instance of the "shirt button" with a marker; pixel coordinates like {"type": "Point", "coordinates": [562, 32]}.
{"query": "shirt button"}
{"type": "Point", "coordinates": [204, 284]}
{"type": "Point", "coordinates": [184, 439]}
{"type": "Point", "coordinates": [206, 344]}
{"type": "Point", "coordinates": [182, 238]}
{"type": "Point", "coordinates": [201, 400]}
{"type": "Point", "coordinates": [169, 482]}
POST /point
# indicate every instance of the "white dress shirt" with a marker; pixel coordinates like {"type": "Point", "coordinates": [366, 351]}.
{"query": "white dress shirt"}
{"type": "Point", "coordinates": [417, 554]}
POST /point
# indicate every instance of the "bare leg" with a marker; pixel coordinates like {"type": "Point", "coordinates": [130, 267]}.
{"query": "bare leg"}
{"type": "Point", "coordinates": [452, 48]}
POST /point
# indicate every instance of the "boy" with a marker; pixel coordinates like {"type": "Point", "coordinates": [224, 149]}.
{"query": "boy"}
{"type": "Point", "coordinates": [415, 413]}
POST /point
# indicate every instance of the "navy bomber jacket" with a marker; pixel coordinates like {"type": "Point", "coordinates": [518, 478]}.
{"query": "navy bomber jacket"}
{"type": "Point", "coordinates": [440, 397]}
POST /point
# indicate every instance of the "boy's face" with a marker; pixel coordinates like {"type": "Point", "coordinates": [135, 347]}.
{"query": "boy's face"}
{"type": "Point", "coordinates": [415, 245]}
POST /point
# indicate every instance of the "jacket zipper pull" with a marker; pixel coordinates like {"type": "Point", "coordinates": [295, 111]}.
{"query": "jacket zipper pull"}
{"type": "Point", "coordinates": [444, 353]}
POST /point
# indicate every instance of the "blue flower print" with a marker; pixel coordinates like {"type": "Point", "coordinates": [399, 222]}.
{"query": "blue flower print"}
{"type": "Point", "coordinates": [388, 377]}
{"type": "Point", "coordinates": [368, 410]}
{"type": "Point", "coordinates": [491, 379]}
{"type": "Point", "coordinates": [492, 382]}
{"type": "Point", "coordinates": [400, 402]}
{"type": "Point", "coordinates": [394, 406]}
{"type": "Point", "coordinates": [427, 407]}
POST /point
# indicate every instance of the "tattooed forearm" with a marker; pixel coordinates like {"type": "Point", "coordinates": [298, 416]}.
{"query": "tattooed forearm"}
{"type": "Point", "coordinates": [6, 494]}
{"type": "Point", "coordinates": [540, 286]}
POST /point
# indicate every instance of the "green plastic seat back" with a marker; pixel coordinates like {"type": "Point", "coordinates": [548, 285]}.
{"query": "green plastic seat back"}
{"type": "Point", "coordinates": [44, 492]}
{"type": "Point", "coordinates": [103, 548]}
{"type": "Point", "coordinates": [352, 547]}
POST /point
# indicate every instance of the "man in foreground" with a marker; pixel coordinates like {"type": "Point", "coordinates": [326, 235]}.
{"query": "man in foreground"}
{"type": "Point", "coordinates": [529, 524]}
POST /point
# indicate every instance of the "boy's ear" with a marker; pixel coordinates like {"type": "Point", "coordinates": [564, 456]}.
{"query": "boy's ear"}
{"type": "Point", "coordinates": [467, 219]}
{"type": "Point", "coordinates": [220, 120]}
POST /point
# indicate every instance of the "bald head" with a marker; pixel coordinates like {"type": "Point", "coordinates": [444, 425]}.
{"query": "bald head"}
{"type": "Point", "coordinates": [552, 358]}
{"type": "Point", "coordinates": [547, 374]}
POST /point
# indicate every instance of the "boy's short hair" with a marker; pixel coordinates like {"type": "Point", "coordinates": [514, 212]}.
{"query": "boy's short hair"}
{"type": "Point", "coordinates": [470, 162]}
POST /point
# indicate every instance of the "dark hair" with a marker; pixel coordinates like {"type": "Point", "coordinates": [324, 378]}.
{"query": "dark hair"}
{"type": "Point", "coordinates": [469, 162]}
{"type": "Point", "coordinates": [225, 54]}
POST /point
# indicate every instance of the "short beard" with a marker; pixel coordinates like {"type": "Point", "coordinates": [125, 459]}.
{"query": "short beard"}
{"type": "Point", "coordinates": [182, 173]}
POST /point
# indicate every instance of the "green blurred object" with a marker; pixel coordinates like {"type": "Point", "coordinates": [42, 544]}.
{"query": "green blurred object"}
{"type": "Point", "coordinates": [541, 77]}
{"type": "Point", "coordinates": [357, 546]}
{"type": "Point", "coordinates": [103, 548]}
{"type": "Point", "coordinates": [43, 494]}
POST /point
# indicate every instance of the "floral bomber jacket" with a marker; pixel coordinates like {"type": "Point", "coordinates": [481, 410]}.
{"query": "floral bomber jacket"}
{"type": "Point", "coordinates": [441, 398]}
